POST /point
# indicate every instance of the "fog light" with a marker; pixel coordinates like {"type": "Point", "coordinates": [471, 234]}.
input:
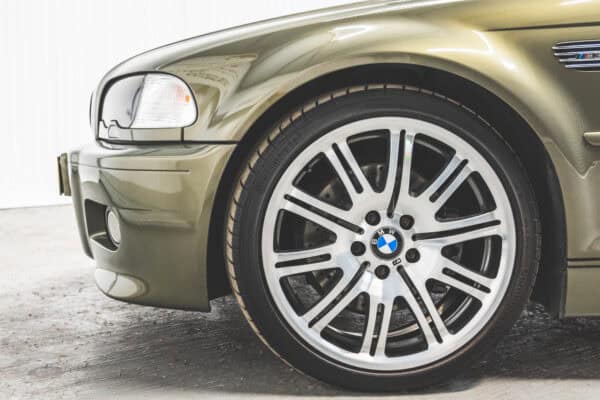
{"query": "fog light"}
{"type": "Point", "coordinates": [113, 227]}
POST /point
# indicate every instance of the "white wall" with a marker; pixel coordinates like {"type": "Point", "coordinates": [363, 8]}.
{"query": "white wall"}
{"type": "Point", "coordinates": [53, 53]}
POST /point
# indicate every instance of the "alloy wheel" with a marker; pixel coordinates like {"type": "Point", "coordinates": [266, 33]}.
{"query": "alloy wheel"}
{"type": "Point", "coordinates": [388, 243]}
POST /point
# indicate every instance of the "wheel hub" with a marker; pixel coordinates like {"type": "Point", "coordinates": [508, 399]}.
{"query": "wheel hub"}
{"type": "Point", "coordinates": [387, 243]}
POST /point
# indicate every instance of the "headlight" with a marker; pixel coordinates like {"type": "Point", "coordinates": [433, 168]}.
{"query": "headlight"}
{"type": "Point", "coordinates": [163, 101]}
{"type": "Point", "coordinates": [150, 101]}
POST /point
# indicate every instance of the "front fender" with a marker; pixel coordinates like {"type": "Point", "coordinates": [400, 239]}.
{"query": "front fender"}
{"type": "Point", "coordinates": [238, 82]}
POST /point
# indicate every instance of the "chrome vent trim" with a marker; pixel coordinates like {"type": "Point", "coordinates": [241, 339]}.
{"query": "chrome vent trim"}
{"type": "Point", "coordinates": [583, 55]}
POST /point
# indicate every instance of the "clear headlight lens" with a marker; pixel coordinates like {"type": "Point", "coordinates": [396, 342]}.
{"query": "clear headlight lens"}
{"type": "Point", "coordinates": [164, 101]}
{"type": "Point", "coordinates": [149, 101]}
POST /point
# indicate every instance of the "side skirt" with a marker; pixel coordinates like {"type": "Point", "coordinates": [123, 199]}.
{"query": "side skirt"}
{"type": "Point", "coordinates": [583, 288]}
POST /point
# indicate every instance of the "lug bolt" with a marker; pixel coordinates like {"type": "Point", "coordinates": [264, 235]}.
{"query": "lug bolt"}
{"type": "Point", "coordinates": [358, 248]}
{"type": "Point", "coordinates": [373, 218]}
{"type": "Point", "coordinates": [413, 255]}
{"type": "Point", "coordinates": [407, 222]}
{"type": "Point", "coordinates": [382, 272]}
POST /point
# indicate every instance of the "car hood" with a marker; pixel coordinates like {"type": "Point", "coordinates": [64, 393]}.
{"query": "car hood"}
{"type": "Point", "coordinates": [158, 58]}
{"type": "Point", "coordinates": [154, 59]}
{"type": "Point", "coordinates": [481, 14]}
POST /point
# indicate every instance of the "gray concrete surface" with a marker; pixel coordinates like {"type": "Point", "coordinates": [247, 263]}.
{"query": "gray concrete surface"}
{"type": "Point", "coordinates": [61, 338]}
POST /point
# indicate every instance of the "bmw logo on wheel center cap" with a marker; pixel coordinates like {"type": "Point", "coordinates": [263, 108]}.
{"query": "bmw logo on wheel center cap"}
{"type": "Point", "coordinates": [386, 243]}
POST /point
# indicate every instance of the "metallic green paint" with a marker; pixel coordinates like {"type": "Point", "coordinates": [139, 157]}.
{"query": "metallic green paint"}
{"type": "Point", "coordinates": [582, 285]}
{"type": "Point", "coordinates": [164, 197]}
{"type": "Point", "coordinates": [238, 74]}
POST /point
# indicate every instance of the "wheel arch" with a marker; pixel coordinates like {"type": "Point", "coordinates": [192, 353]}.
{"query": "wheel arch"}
{"type": "Point", "coordinates": [551, 281]}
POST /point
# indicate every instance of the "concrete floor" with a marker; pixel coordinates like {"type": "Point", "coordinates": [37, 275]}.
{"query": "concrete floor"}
{"type": "Point", "coordinates": [61, 338]}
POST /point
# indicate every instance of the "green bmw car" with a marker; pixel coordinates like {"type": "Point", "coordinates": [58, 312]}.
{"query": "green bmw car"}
{"type": "Point", "coordinates": [383, 186]}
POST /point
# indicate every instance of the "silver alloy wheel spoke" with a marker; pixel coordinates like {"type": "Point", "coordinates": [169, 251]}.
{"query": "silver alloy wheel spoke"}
{"type": "Point", "coordinates": [455, 238]}
{"type": "Point", "coordinates": [453, 187]}
{"type": "Point", "coordinates": [344, 148]}
{"type": "Point", "coordinates": [467, 273]}
{"type": "Point", "coordinates": [321, 205]}
{"type": "Point", "coordinates": [429, 236]}
{"type": "Point", "coordinates": [313, 217]}
{"type": "Point", "coordinates": [304, 268]}
{"type": "Point", "coordinates": [343, 175]}
{"type": "Point", "coordinates": [369, 333]}
{"type": "Point", "coordinates": [392, 168]}
{"type": "Point", "coordinates": [422, 320]}
{"type": "Point", "coordinates": [348, 297]}
{"type": "Point", "coordinates": [442, 178]}
{"type": "Point", "coordinates": [468, 222]}
{"type": "Point", "coordinates": [463, 287]}
{"type": "Point", "coordinates": [337, 290]}
{"type": "Point", "coordinates": [295, 255]}
{"type": "Point", "coordinates": [388, 308]}
{"type": "Point", "coordinates": [436, 319]}
{"type": "Point", "coordinates": [404, 194]}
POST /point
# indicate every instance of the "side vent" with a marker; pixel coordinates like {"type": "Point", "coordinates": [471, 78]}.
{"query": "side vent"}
{"type": "Point", "coordinates": [582, 55]}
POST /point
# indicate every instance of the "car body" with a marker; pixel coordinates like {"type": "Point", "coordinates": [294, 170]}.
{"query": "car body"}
{"type": "Point", "coordinates": [170, 187]}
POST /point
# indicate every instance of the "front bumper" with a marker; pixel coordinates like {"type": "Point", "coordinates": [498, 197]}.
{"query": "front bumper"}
{"type": "Point", "coordinates": [163, 196]}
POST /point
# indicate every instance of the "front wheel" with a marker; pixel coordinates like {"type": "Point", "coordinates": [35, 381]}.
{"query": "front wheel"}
{"type": "Point", "coordinates": [383, 239]}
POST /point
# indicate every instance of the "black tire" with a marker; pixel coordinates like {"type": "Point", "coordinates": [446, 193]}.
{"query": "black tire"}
{"type": "Point", "coordinates": [275, 152]}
